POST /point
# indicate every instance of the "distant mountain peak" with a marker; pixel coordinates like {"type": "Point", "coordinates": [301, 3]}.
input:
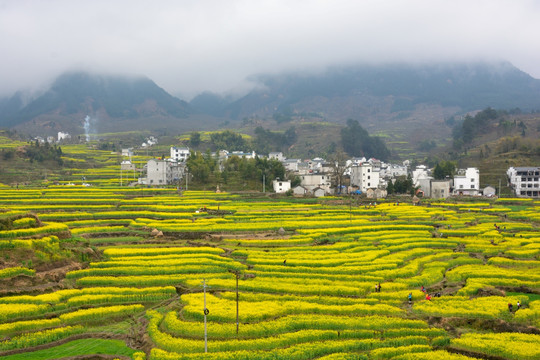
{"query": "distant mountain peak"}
{"type": "Point", "coordinates": [114, 97]}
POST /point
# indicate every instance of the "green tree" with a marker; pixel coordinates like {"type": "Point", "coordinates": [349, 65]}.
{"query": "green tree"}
{"type": "Point", "coordinates": [390, 187]}
{"type": "Point", "coordinates": [357, 142]}
{"type": "Point", "coordinates": [444, 169]}
{"type": "Point", "coordinates": [198, 167]}
{"type": "Point", "coordinates": [229, 140]}
{"type": "Point", "coordinates": [194, 139]}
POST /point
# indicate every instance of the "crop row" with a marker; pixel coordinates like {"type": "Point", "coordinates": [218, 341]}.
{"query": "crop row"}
{"type": "Point", "coordinates": [377, 324]}
{"type": "Point", "coordinates": [302, 351]}
{"type": "Point", "coordinates": [508, 345]}
{"type": "Point", "coordinates": [223, 310]}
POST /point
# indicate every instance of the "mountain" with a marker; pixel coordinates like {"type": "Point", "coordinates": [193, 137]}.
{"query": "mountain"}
{"type": "Point", "coordinates": [112, 99]}
{"type": "Point", "coordinates": [10, 106]}
{"type": "Point", "coordinates": [377, 91]}
{"type": "Point", "coordinates": [210, 103]}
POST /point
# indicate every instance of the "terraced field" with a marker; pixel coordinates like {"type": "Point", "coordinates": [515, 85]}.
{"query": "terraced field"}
{"type": "Point", "coordinates": [128, 274]}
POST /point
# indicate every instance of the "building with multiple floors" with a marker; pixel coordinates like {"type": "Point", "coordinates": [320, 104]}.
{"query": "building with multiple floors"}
{"type": "Point", "coordinates": [180, 154]}
{"type": "Point", "coordinates": [364, 176]}
{"type": "Point", "coordinates": [163, 172]}
{"type": "Point", "coordinates": [524, 181]}
{"type": "Point", "coordinates": [467, 182]}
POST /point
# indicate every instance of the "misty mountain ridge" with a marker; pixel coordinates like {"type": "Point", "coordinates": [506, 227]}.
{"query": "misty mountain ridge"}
{"type": "Point", "coordinates": [75, 94]}
{"type": "Point", "coordinates": [359, 89]}
{"type": "Point", "coordinates": [379, 96]}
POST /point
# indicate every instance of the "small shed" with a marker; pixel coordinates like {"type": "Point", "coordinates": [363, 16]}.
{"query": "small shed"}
{"type": "Point", "coordinates": [318, 192]}
{"type": "Point", "coordinates": [489, 191]}
{"type": "Point", "coordinates": [299, 190]}
{"type": "Point", "coordinates": [376, 193]}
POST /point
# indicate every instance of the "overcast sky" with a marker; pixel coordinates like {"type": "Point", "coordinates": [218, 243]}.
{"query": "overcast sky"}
{"type": "Point", "coordinates": [187, 46]}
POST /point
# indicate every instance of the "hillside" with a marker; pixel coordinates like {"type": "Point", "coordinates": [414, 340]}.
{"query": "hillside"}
{"type": "Point", "coordinates": [404, 104]}
{"type": "Point", "coordinates": [504, 141]}
{"type": "Point", "coordinates": [113, 100]}
{"type": "Point", "coordinates": [107, 272]}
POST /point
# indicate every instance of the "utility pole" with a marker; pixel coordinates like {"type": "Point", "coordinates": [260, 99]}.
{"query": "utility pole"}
{"type": "Point", "coordinates": [350, 207]}
{"type": "Point", "coordinates": [264, 183]}
{"type": "Point", "coordinates": [205, 313]}
{"type": "Point", "coordinates": [237, 323]}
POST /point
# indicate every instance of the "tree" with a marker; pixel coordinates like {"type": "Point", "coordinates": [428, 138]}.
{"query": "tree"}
{"type": "Point", "coordinates": [444, 169]}
{"type": "Point", "coordinates": [229, 140]}
{"type": "Point", "coordinates": [266, 141]}
{"type": "Point", "coordinates": [194, 139]}
{"type": "Point", "coordinates": [198, 167]}
{"type": "Point", "coordinates": [338, 161]}
{"type": "Point", "coordinates": [357, 142]}
{"type": "Point", "coordinates": [390, 187]}
{"type": "Point", "coordinates": [295, 181]}
{"type": "Point", "coordinates": [403, 185]}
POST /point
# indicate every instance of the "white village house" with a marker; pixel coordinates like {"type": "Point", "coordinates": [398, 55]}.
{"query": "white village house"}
{"type": "Point", "coordinates": [525, 181]}
{"type": "Point", "coordinates": [364, 177]}
{"type": "Point", "coordinates": [313, 181]}
{"type": "Point", "coordinates": [179, 154]}
{"type": "Point", "coordinates": [163, 172]}
{"type": "Point", "coordinates": [281, 186]}
{"type": "Point", "coordinates": [467, 182]}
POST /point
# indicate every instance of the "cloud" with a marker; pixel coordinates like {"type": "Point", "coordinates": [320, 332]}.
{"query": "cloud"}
{"type": "Point", "coordinates": [190, 46]}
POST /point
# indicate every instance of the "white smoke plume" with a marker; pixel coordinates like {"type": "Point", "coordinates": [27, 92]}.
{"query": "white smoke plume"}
{"type": "Point", "coordinates": [87, 127]}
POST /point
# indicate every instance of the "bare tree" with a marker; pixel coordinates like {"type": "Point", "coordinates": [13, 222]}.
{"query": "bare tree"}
{"type": "Point", "coordinates": [338, 162]}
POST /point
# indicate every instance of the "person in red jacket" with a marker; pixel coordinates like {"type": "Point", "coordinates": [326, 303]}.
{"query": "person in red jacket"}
{"type": "Point", "coordinates": [428, 297]}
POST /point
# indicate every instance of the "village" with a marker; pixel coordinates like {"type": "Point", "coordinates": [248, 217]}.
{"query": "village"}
{"type": "Point", "coordinates": [358, 176]}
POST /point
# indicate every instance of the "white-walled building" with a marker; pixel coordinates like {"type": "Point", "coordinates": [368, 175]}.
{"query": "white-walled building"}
{"type": "Point", "coordinates": [364, 176]}
{"type": "Point", "coordinates": [127, 152]}
{"type": "Point", "coordinates": [525, 181]}
{"type": "Point", "coordinates": [300, 190]}
{"type": "Point", "coordinates": [467, 182]}
{"type": "Point", "coordinates": [440, 189]}
{"type": "Point", "coordinates": [179, 154]}
{"type": "Point", "coordinates": [489, 191]}
{"type": "Point", "coordinates": [420, 173]}
{"type": "Point", "coordinates": [63, 136]}
{"type": "Point", "coordinates": [277, 155]}
{"type": "Point", "coordinates": [163, 172]}
{"type": "Point", "coordinates": [392, 171]}
{"type": "Point", "coordinates": [242, 154]}
{"type": "Point", "coordinates": [312, 181]}
{"type": "Point", "coordinates": [291, 164]}
{"type": "Point", "coordinates": [127, 165]}
{"type": "Point", "coordinates": [281, 186]}
{"type": "Point", "coordinates": [319, 192]}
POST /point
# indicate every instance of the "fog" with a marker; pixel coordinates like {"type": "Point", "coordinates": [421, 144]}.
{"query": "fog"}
{"type": "Point", "coordinates": [190, 46]}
